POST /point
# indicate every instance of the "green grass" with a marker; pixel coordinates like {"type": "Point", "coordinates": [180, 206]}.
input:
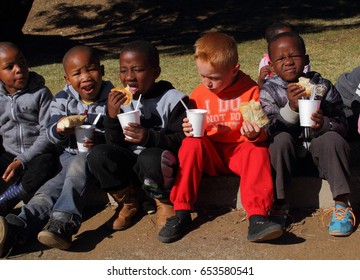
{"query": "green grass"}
{"type": "Point", "coordinates": [331, 53]}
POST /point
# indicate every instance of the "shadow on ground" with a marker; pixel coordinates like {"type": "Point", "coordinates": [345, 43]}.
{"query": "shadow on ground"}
{"type": "Point", "coordinates": [174, 25]}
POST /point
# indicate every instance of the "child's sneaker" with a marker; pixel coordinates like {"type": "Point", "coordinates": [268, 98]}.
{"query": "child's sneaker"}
{"type": "Point", "coordinates": [174, 228]}
{"type": "Point", "coordinates": [57, 234]}
{"type": "Point", "coordinates": [342, 221]}
{"type": "Point", "coordinates": [262, 229]}
{"type": "Point", "coordinates": [280, 214]}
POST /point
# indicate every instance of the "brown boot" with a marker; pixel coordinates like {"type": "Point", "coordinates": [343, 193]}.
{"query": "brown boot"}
{"type": "Point", "coordinates": [165, 210]}
{"type": "Point", "coordinates": [127, 208]}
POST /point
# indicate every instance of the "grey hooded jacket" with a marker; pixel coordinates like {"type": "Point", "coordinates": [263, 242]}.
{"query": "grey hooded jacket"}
{"type": "Point", "coordinates": [23, 119]}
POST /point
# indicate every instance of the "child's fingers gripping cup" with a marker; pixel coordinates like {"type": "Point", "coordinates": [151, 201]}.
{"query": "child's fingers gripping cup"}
{"type": "Point", "coordinates": [129, 117]}
{"type": "Point", "coordinates": [306, 109]}
{"type": "Point", "coordinates": [82, 133]}
{"type": "Point", "coordinates": [197, 118]}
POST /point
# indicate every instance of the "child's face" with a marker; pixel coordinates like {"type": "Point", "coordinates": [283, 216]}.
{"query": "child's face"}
{"type": "Point", "coordinates": [216, 79]}
{"type": "Point", "coordinates": [137, 72]}
{"type": "Point", "coordinates": [287, 59]}
{"type": "Point", "coordinates": [84, 74]}
{"type": "Point", "coordinates": [14, 72]}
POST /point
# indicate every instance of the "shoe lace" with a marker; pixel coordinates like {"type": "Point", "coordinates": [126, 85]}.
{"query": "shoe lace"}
{"type": "Point", "coordinates": [339, 213]}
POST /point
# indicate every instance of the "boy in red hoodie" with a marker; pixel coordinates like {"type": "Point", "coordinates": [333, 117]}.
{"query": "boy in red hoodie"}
{"type": "Point", "coordinates": [231, 145]}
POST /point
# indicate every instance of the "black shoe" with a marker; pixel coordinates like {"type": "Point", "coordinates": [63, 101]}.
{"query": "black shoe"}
{"type": "Point", "coordinates": [174, 228]}
{"type": "Point", "coordinates": [262, 229]}
{"type": "Point", "coordinates": [11, 230]}
{"type": "Point", "coordinates": [57, 234]}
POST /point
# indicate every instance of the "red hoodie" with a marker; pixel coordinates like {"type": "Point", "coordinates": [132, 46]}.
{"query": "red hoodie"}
{"type": "Point", "coordinates": [224, 119]}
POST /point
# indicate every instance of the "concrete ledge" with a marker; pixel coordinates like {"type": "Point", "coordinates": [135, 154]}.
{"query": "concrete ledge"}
{"type": "Point", "coordinates": [223, 192]}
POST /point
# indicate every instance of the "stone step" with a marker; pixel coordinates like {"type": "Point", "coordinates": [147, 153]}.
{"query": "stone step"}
{"type": "Point", "coordinates": [223, 192]}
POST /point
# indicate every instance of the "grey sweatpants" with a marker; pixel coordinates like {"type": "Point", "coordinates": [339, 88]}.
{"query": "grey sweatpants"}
{"type": "Point", "coordinates": [330, 153]}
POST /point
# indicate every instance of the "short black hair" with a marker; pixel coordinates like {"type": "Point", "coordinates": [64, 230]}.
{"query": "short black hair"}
{"type": "Point", "coordinates": [296, 36]}
{"type": "Point", "coordinates": [144, 47]}
{"type": "Point", "coordinates": [272, 29]}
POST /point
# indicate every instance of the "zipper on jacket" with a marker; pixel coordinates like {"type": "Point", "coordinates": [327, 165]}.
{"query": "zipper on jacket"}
{"type": "Point", "coordinates": [18, 125]}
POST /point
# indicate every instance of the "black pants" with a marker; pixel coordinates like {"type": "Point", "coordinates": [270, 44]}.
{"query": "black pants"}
{"type": "Point", "coordinates": [117, 167]}
{"type": "Point", "coordinates": [38, 170]}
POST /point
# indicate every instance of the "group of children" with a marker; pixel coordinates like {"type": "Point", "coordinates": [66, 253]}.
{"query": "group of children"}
{"type": "Point", "coordinates": [161, 163]}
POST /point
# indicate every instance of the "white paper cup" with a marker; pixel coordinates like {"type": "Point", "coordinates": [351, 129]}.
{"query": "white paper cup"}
{"type": "Point", "coordinates": [84, 132]}
{"type": "Point", "coordinates": [306, 109]}
{"type": "Point", "coordinates": [197, 118]}
{"type": "Point", "coordinates": [129, 117]}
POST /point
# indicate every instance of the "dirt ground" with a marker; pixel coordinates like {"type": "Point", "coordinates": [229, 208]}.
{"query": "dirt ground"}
{"type": "Point", "coordinates": [216, 234]}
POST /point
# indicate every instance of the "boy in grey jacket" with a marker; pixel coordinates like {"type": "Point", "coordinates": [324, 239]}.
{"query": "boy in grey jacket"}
{"type": "Point", "coordinates": [324, 142]}
{"type": "Point", "coordinates": [27, 158]}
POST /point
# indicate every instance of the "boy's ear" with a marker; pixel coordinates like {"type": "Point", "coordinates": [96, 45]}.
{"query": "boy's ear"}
{"type": "Point", "coordinates": [236, 69]}
{"type": "Point", "coordinates": [271, 66]}
{"type": "Point", "coordinates": [157, 72]}
{"type": "Point", "coordinates": [307, 59]}
{"type": "Point", "coordinates": [67, 79]}
{"type": "Point", "coordinates": [102, 70]}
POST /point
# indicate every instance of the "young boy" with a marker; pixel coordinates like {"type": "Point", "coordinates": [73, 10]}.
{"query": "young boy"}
{"type": "Point", "coordinates": [230, 145]}
{"type": "Point", "coordinates": [27, 158]}
{"type": "Point", "coordinates": [270, 32]}
{"type": "Point", "coordinates": [62, 199]}
{"type": "Point", "coordinates": [148, 158]}
{"type": "Point", "coordinates": [329, 150]}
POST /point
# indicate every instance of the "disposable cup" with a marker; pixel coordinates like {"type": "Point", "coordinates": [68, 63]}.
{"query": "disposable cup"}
{"type": "Point", "coordinates": [306, 109]}
{"type": "Point", "coordinates": [82, 133]}
{"type": "Point", "coordinates": [129, 117]}
{"type": "Point", "coordinates": [197, 118]}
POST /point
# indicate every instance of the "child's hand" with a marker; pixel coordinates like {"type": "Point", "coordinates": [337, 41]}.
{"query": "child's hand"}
{"type": "Point", "coordinates": [137, 133]}
{"type": "Point", "coordinates": [115, 100]}
{"type": "Point", "coordinates": [250, 130]}
{"type": "Point", "coordinates": [65, 131]}
{"type": "Point", "coordinates": [318, 118]}
{"type": "Point", "coordinates": [89, 143]}
{"type": "Point", "coordinates": [187, 127]}
{"type": "Point", "coordinates": [294, 93]}
{"type": "Point", "coordinates": [264, 72]}
{"type": "Point", "coordinates": [11, 170]}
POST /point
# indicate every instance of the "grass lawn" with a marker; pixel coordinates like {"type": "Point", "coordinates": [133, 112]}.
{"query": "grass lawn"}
{"type": "Point", "coordinates": [331, 53]}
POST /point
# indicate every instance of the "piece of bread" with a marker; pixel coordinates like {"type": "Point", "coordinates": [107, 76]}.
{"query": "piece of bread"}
{"type": "Point", "coordinates": [126, 90]}
{"type": "Point", "coordinates": [304, 82]}
{"type": "Point", "coordinates": [71, 121]}
{"type": "Point", "coordinates": [252, 111]}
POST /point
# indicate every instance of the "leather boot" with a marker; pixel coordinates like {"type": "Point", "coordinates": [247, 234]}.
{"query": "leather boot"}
{"type": "Point", "coordinates": [128, 205]}
{"type": "Point", "coordinates": [164, 210]}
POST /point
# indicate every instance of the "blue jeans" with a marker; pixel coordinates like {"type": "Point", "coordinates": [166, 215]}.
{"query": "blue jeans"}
{"type": "Point", "coordinates": [62, 197]}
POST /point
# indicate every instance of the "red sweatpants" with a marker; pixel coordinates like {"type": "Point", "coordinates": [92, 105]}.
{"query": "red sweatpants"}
{"type": "Point", "coordinates": [248, 160]}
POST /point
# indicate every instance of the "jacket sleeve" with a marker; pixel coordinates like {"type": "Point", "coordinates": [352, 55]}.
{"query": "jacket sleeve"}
{"type": "Point", "coordinates": [280, 118]}
{"type": "Point", "coordinates": [170, 137]}
{"type": "Point", "coordinates": [113, 132]}
{"type": "Point", "coordinates": [42, 143]}
{"type": "Point", "coordinates": [57, 111]}
{"type": "Point", "coordinates": [334, 116]}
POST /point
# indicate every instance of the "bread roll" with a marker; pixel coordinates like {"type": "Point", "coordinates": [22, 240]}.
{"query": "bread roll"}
{"type": "Point", "coordinates": [126, 90]}
{"type": "Point", "coordinates": [304, 82]}
{"type": "Point", "coordinates": [71, 121]}
{"type": "Point", "coordinates": [252, 111]}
